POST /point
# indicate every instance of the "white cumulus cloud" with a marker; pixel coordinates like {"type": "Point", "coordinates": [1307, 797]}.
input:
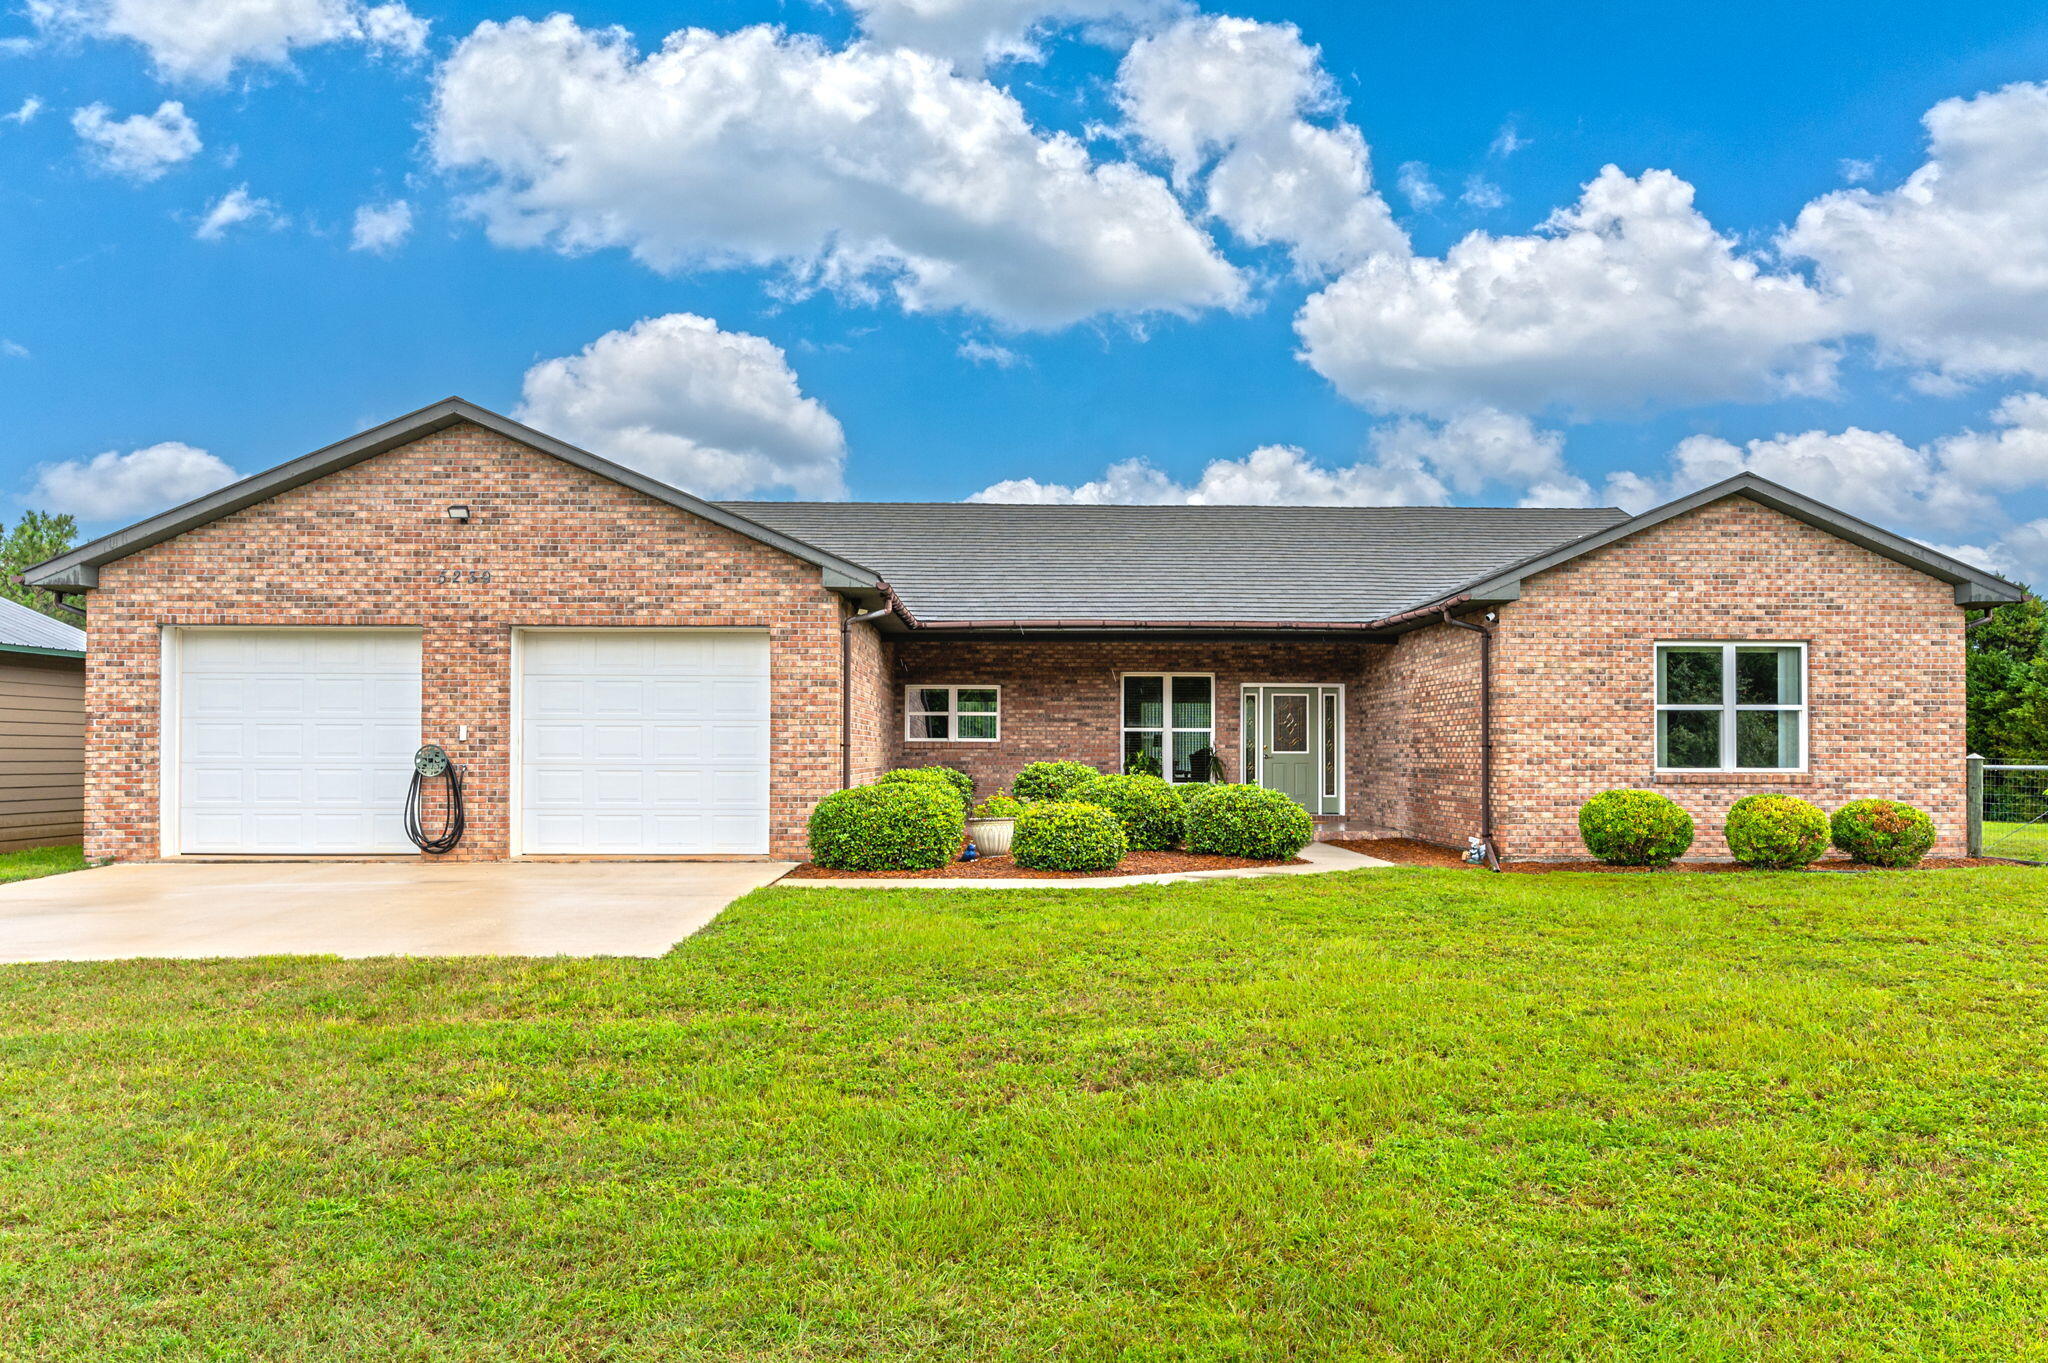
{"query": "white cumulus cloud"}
{"type": "Point", "coordinates": [112, 486]}
{"type": "Point", "coordinates": [1950, 485]}
{"type": "Point", "coordinates": [1629, 296]}
{"type": "Point", "coordinates": [857, 169]}
{"type": "Point", "coordinates": [971, 33]}
{"type": "Point", "coordinates": [1412, 463]}
{"type": "Point", "coordinates": [1243, 93]}
{"type": "Point", "coordinates": [381, 228]}
{"type": "Point", "coordinates": [1950, 270]}
{"type": "Point", "coordinates": [204, 40]}
{"type": "Point", "coordinates": [231, 210]}
{"type": "Point", "coordinates": [140, 146]}
{"type": "Point", "coordinates": [24, 112]}
{"type": "Point", "coordinates": [713, 412]}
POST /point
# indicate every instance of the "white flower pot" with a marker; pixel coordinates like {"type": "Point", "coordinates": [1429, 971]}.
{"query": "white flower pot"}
{"type": "Point", "coordinates": [991, 837]}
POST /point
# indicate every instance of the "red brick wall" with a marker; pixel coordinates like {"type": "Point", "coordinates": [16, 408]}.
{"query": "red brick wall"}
{"type": "Point", "coordinates": [361, 547]}
{"type": "Point", "coordinates": [1575, 689]}
{"type": "Point", "coordinates": [1061, 700]}
{"type": "Point", "coordinates": [874, 742]}
{"type": "Point", "coordinates": [1415, 744]}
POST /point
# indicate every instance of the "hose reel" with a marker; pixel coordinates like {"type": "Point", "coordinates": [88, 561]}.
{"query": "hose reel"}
{"type": "Point", "coordinates": [431, 763]}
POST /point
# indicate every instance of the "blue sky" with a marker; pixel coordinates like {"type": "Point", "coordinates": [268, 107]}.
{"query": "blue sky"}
{"type": "Point", "coordinates": [1062, 250]}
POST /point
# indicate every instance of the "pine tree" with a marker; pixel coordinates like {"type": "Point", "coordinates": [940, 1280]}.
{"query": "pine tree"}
{"type": "Point", "coordinates": [37, 536]}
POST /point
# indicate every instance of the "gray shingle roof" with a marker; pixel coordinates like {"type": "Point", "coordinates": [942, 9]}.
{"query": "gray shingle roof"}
{"type": "Point", "coordinates": [21, 627]}
{"type": "Point", "coordinates": [953, 561]}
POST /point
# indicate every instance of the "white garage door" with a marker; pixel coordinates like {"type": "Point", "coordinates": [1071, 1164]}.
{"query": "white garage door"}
{"type": "Point", "coordinates": [638, 741]}
{"type": "Point", "coordinates": [295, 740]}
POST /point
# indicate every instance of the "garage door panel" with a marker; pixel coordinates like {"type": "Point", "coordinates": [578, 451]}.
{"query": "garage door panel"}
{"type": "Point", "coordinates": [644, 741]}
{"type": "Point", "coordinates": [268, 740]}
{"type": "Point", "coordinates": [296, 741]}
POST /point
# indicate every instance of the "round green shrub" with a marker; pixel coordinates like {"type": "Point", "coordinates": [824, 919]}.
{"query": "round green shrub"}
{"type": "Point", "coordinates": [959, 780]}
{"type": "Point", "coordinates": [1779, 832]}
{"type": "Point", "coordinates": [1058, 835]}
{"type": "Point", "coordinates": [1882, 832]}
{"type": "Point", "coordinates": [1050, 780]}
{"type": "Point", "coordinates": [1634, 828]}
{"type": "Point", "coordinates": [1154, 814]}
{"type": "Point", "coordinates": [1247, 821]}
{"type": "Point", "coordinates": [1000, 807]}
{"type": "Point", "coordinates": [889, 826]}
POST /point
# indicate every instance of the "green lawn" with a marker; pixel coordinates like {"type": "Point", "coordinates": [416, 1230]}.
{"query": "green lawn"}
{"type": "Point", "coordinates": [31, 862]}
{"type": "Point", "coordinates": [1414, 1115]}
{"type": "Point", "coordinates": [2024, 841]}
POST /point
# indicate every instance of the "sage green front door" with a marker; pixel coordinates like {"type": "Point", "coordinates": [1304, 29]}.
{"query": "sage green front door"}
{"type": "Point", "coordinates": [1287, 760]}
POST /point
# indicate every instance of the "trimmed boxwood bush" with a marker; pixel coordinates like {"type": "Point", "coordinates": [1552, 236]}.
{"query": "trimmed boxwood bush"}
{"type": "Point", "coordinates": [1153, 812]}
{"type": "Point", "coordinates": [1779, 832]}
{"type": "Point", "coordinates": [889, 826]}
{"type": "Point", "coordinates": [1634, 828]}
{"type": "Point", "coordinates": [1247, 821]}
{"type": "Point", "coordinates": [1000, 807]}
{"type": "Point", "coordinates": [1883, 832]}
{"type": "Point", "coordinates": [1050, 780]}
{"type": "Point", "coordinates": [1058, 835]}
{"type": "Point", "coordinates": [958, 780]}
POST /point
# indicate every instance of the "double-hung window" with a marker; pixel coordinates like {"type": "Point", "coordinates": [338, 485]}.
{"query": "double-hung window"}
{"type": "Point", "coordinates": [1170, 724]}
{"type": "Point", "coordinates": [953, 714]}
{"type": "Point", "coordinates": [1731, 707]}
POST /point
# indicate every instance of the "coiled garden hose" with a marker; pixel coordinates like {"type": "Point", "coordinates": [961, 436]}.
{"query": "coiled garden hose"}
{"type": "Point", "coordinates": [427, 764]}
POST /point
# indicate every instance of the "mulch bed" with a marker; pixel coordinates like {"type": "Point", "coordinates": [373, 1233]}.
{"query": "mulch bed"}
{"type": "Point", "coordinates": [1006, 868]}
{"type": "Point", "coordinates": [1408, 852]}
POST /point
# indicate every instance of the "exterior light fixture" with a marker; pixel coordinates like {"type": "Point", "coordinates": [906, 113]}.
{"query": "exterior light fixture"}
{"type": "Point", "coordinates": [459, 514]}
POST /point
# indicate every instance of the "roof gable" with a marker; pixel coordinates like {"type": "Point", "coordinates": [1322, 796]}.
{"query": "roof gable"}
{"type": "Point", "coordinates": [78, 570]}
{"type": "Point", "coordinates": [1973, 586]}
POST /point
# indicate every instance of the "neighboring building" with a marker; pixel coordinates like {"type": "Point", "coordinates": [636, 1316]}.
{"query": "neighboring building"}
{"type": "Point", "coordinates": [621, 668]}
{"type": "Point", "coordinates": [42, 729]}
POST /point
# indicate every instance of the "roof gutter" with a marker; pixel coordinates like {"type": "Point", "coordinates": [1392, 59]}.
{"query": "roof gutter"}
{"type": "Point", "coordinates": [846, 624]}
{"type": "Point", "coordinates": [1489, 846]}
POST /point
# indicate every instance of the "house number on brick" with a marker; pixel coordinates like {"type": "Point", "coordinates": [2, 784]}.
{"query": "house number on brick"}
{"type": "Point", "coordinates": [443, 577]}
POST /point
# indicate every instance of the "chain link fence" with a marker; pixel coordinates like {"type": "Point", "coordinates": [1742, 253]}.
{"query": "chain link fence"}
{"type": "Point", "coordinates": [2010, 805]}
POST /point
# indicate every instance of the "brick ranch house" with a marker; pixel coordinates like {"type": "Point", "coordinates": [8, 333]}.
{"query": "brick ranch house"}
{"type": "Point", "coordinates": [621, 668]}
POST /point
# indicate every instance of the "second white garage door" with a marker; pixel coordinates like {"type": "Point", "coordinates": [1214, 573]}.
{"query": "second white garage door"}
{"type": "Point", "coordinates": [643, 742]}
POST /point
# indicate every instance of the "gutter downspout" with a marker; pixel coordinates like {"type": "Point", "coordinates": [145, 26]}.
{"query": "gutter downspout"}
{"type": "Point", "coordinates": [1486, 836]}
{"type": "Point", "coordinates": [846, 625]}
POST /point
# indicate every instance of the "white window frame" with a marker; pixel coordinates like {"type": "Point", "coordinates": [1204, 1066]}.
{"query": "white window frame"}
{"type": "Point", "coordinates": [952, 711]}
{"type": "Point", "coordinates": [1166, 728]}
{"type": "Point", "coordinates": [1728, 707]}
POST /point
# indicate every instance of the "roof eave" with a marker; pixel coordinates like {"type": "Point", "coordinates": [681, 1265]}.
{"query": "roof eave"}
{"type": "Point", "coordinates": [77, 570]}
{"type": "Point", "coordinates": [1973, 586]}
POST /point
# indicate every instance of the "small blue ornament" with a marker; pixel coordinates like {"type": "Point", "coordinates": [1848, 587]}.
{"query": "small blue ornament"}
{"type": "Point", "coordinates": [970, 854]}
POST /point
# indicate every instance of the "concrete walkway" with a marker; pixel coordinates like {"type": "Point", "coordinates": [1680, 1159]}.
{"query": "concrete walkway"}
{"type": "Point", "coordinates": [1318, 856]}
{"type": "Point", "coordinates": [210, 909]}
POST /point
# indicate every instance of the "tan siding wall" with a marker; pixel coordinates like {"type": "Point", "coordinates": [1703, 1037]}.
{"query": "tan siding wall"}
{"type": "Point", "coordinates": [42, 750]}
{"type": "Point", "coordinates": [1575, 688]}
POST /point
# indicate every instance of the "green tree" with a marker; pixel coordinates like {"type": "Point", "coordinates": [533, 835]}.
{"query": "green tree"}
{"type": "Point", "coordinates": [2007, 671]}
{"type": "Point", "coordinates": [38, 535]}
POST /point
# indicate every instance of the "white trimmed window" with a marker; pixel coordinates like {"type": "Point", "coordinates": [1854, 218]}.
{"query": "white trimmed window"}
{"type": "Point", "coordinates": [952, 714]}
{"type": "Point", "coordinates": [1731, 707]}
{"type": "Point", "coordinates": [1170, 724]}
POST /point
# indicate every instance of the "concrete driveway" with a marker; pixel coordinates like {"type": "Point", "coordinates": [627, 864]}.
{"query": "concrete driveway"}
{"type": "Point", "coordinates": [206, 909]}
